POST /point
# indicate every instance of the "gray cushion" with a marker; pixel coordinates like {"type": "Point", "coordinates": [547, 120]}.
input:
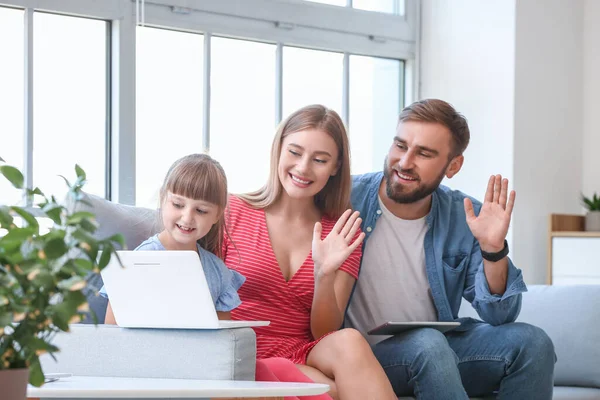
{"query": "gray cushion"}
{"type": "Point", "coordinates": [107, 350]}
{"type": "Point", "coordinates": [575, 393]}
{"type": "Point", "coordinates": [570, 315]}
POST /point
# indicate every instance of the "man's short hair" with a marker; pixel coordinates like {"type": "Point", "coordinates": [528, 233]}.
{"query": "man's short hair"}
{"type": "Point", "coordinates": [441, 112]}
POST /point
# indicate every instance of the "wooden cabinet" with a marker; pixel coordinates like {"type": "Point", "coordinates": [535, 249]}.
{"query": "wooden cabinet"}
{"type": "Point", "coordinates": [574, 255]}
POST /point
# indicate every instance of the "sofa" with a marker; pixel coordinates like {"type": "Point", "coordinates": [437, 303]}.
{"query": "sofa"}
{"type": "Point", "coordinates": [570, 315]}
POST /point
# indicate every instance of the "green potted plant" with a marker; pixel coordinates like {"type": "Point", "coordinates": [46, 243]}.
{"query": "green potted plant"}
{"type": "Point", "coordinates": [592, 218]}
{"type": "Point", "coordinates": [41, 278]}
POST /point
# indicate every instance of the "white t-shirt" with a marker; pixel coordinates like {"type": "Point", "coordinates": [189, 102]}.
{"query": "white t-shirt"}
{"type": "Point", "coordinates": [393, 284]}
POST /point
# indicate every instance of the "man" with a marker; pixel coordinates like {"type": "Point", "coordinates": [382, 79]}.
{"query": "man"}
{"type": "Point", "coordinates": [426, 247]}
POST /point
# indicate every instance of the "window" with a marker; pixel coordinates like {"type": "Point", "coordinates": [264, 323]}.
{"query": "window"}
{"type": "Point", "coordinates": [69, 110]}
{"type": "Point", "coordinates": [96, 73]}
{"type": "Point", "coordinates": [169, 105]}
{"type": "Point", "coordinates": [311, 77]}
{"type": "Point", "coordinates": [11, 98]}
{"type": "Point", "coordinates": [383, 6]}
{"type": "Point", "coordinates": [242, 109]}
{"type": "Point", "coordinates": [375, 102]}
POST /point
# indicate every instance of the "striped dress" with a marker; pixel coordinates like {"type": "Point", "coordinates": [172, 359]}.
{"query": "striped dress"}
{"type": "Point", "coordinates": [266, 295]}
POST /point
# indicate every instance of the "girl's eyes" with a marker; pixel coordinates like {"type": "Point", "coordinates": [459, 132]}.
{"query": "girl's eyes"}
{"type": "Point", "coordinates": [320, 161]}
{"type": "Point", "coordinates": [295, 153]}
{"type": "Point", "coordinates": [198, 210]}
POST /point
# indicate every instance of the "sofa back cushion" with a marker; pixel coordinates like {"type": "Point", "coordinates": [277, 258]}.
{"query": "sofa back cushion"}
{"type": "Point", "coordinates": [570, 315]}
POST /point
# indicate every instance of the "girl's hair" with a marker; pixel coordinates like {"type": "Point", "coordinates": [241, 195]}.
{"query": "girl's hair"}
{"type": "Point", "coordinates": [199, 177]}
{"type": "Point", "coordinates": [334, 198]}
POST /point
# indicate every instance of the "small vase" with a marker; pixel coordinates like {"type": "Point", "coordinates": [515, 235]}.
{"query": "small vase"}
{"type": "Point", "coordinates": [592, 221]}
{"type": "Point", "coordinates": [14, 383]}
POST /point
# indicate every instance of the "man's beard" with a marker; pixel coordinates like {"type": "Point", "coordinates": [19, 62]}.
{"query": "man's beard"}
{"type": "Point", "coordinates": [423, 190]}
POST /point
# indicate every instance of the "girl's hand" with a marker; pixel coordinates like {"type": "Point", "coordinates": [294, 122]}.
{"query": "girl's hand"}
{"type": "Point", "coordinates": [330, 253]}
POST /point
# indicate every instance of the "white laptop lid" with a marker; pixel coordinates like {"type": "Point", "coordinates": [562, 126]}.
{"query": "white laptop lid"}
{"type": "Point", "coordinates": [162, 289]}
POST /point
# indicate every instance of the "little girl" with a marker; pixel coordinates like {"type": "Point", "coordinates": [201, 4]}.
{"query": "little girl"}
{"type": "Point", "coordinates": [193, 199]}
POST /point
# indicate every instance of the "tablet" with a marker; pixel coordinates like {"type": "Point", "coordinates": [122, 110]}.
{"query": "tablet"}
{"type": "Point", "coordinates": [391, 327]}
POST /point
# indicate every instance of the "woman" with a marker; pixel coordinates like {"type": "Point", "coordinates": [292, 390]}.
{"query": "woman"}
{"type": "Point", "coordinates": [298, 245]}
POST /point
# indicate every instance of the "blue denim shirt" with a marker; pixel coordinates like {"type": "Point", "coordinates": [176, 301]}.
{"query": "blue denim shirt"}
{"type": "Point", "coordinates": [453, 259]}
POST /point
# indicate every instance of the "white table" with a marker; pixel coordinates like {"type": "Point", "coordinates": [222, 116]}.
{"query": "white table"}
{"type": "Point", "coordinates": [106, 387]}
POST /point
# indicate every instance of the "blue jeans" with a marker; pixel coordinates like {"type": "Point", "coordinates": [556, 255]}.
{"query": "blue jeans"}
{"type": "Point", "coordinates": [515, 360]}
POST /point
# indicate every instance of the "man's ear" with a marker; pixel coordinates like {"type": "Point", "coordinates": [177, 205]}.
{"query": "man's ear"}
{"type": "Point", "coordinates": [454, 166]}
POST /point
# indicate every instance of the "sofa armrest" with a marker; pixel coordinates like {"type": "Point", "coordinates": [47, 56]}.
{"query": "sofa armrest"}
{"type": "Point", "coordinates": [108, 350]}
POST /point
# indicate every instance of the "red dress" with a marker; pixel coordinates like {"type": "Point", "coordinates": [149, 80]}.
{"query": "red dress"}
{"type": "Point", "coordinates": [266, 295]}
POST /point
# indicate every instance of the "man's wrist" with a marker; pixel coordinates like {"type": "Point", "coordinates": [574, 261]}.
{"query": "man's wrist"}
{"type": "Point", "coordinates": [495, 254]}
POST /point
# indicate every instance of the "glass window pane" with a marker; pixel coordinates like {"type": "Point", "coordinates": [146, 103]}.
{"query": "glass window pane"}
{"type": "Point", "coordinates": [375, 102]}
{"type": "Point", "coordinates": [69, 56]}
{"type": "Point", "coordinates": [242, 110]}
{"type": "Point", "coordinates": [384, 6]}
{"type": "Point", "coordinates": [311, 77]}
{"type": "Point", "coordinates": [169, 103]}
{"type": "Point", "coordinates": [11, 97]}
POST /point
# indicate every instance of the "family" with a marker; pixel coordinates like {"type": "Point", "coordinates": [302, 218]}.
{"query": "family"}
{"type": "Point", "coordinates": [326, 256]}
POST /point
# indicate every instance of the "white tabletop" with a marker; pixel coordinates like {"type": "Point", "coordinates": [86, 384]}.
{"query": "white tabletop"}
{"type": "Point", "coordinates": [106, 387]}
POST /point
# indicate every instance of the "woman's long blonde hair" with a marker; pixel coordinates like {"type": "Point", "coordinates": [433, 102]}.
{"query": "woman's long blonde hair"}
{"type": "Point", "coordinates": [334, 198]}
{"type": "Point", "coordinates": [200, 177]}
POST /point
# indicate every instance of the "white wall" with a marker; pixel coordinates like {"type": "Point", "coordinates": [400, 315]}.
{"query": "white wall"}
{"type": "Point", "coordinates": [514, 68]}
{"type": "Point", "coordinates": [467, 52]}
{"type": "Point", "coordinates": [591, 97]}
{"type": "Point", "coordinates": [548, 123]}
{"type": "Point", "coordinates": [460, 66]}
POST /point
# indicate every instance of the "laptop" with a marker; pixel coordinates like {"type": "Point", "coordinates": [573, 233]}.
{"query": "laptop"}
{"type": "Point", "coordinates": [162, 289]}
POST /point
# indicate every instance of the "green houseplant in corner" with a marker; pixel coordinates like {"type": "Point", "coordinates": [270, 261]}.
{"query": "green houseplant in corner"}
{"type": "Point", "coordinates": [592, 218]}
{"type": "Point", "coordinates": [42, 275]}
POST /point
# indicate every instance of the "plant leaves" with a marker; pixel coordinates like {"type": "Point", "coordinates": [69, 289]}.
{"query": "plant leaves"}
{"type": "Point", "coordinates": [5, 319]}
{"type": "Point", "coordinates": [60, 322]}
{"type": "Point", "coordinates": [55, 248]}
{"type": "Point", "coordinates": [80, 172]}
{"type": "Point", "coordinates": [73, 283]}
{"type": "Point", "coordinates": [54, 213]}
{"type": "Point", "coordinates": [36, 344]}
{"type": "Point", "coordinates": [79, 216]}
{"type": "Point", "coordinates": [120, 239]}
{"type": "Point", "coordinates": [13, 175]}
{"type": "Point", "coordinates": [67, 182]}
{"type": "Point", "coordinates": [16, 236]}
{"type": "Point", "coordinates": [36, 375]}
{"type": "Point", "coordinates": [88, 225]}
{"type": "Point", "coordinates": [84, 264]}
{"type": "Point", "coordinates": [30, 219]}
{"type": "Point", "coordinates": [5, 218]}
{"type": "Point", "coordinates": [35, 191]}
{"type": "Point", "coordinates": [2, 159]}
{"type": "Point", "coordinates": [105, 258]}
